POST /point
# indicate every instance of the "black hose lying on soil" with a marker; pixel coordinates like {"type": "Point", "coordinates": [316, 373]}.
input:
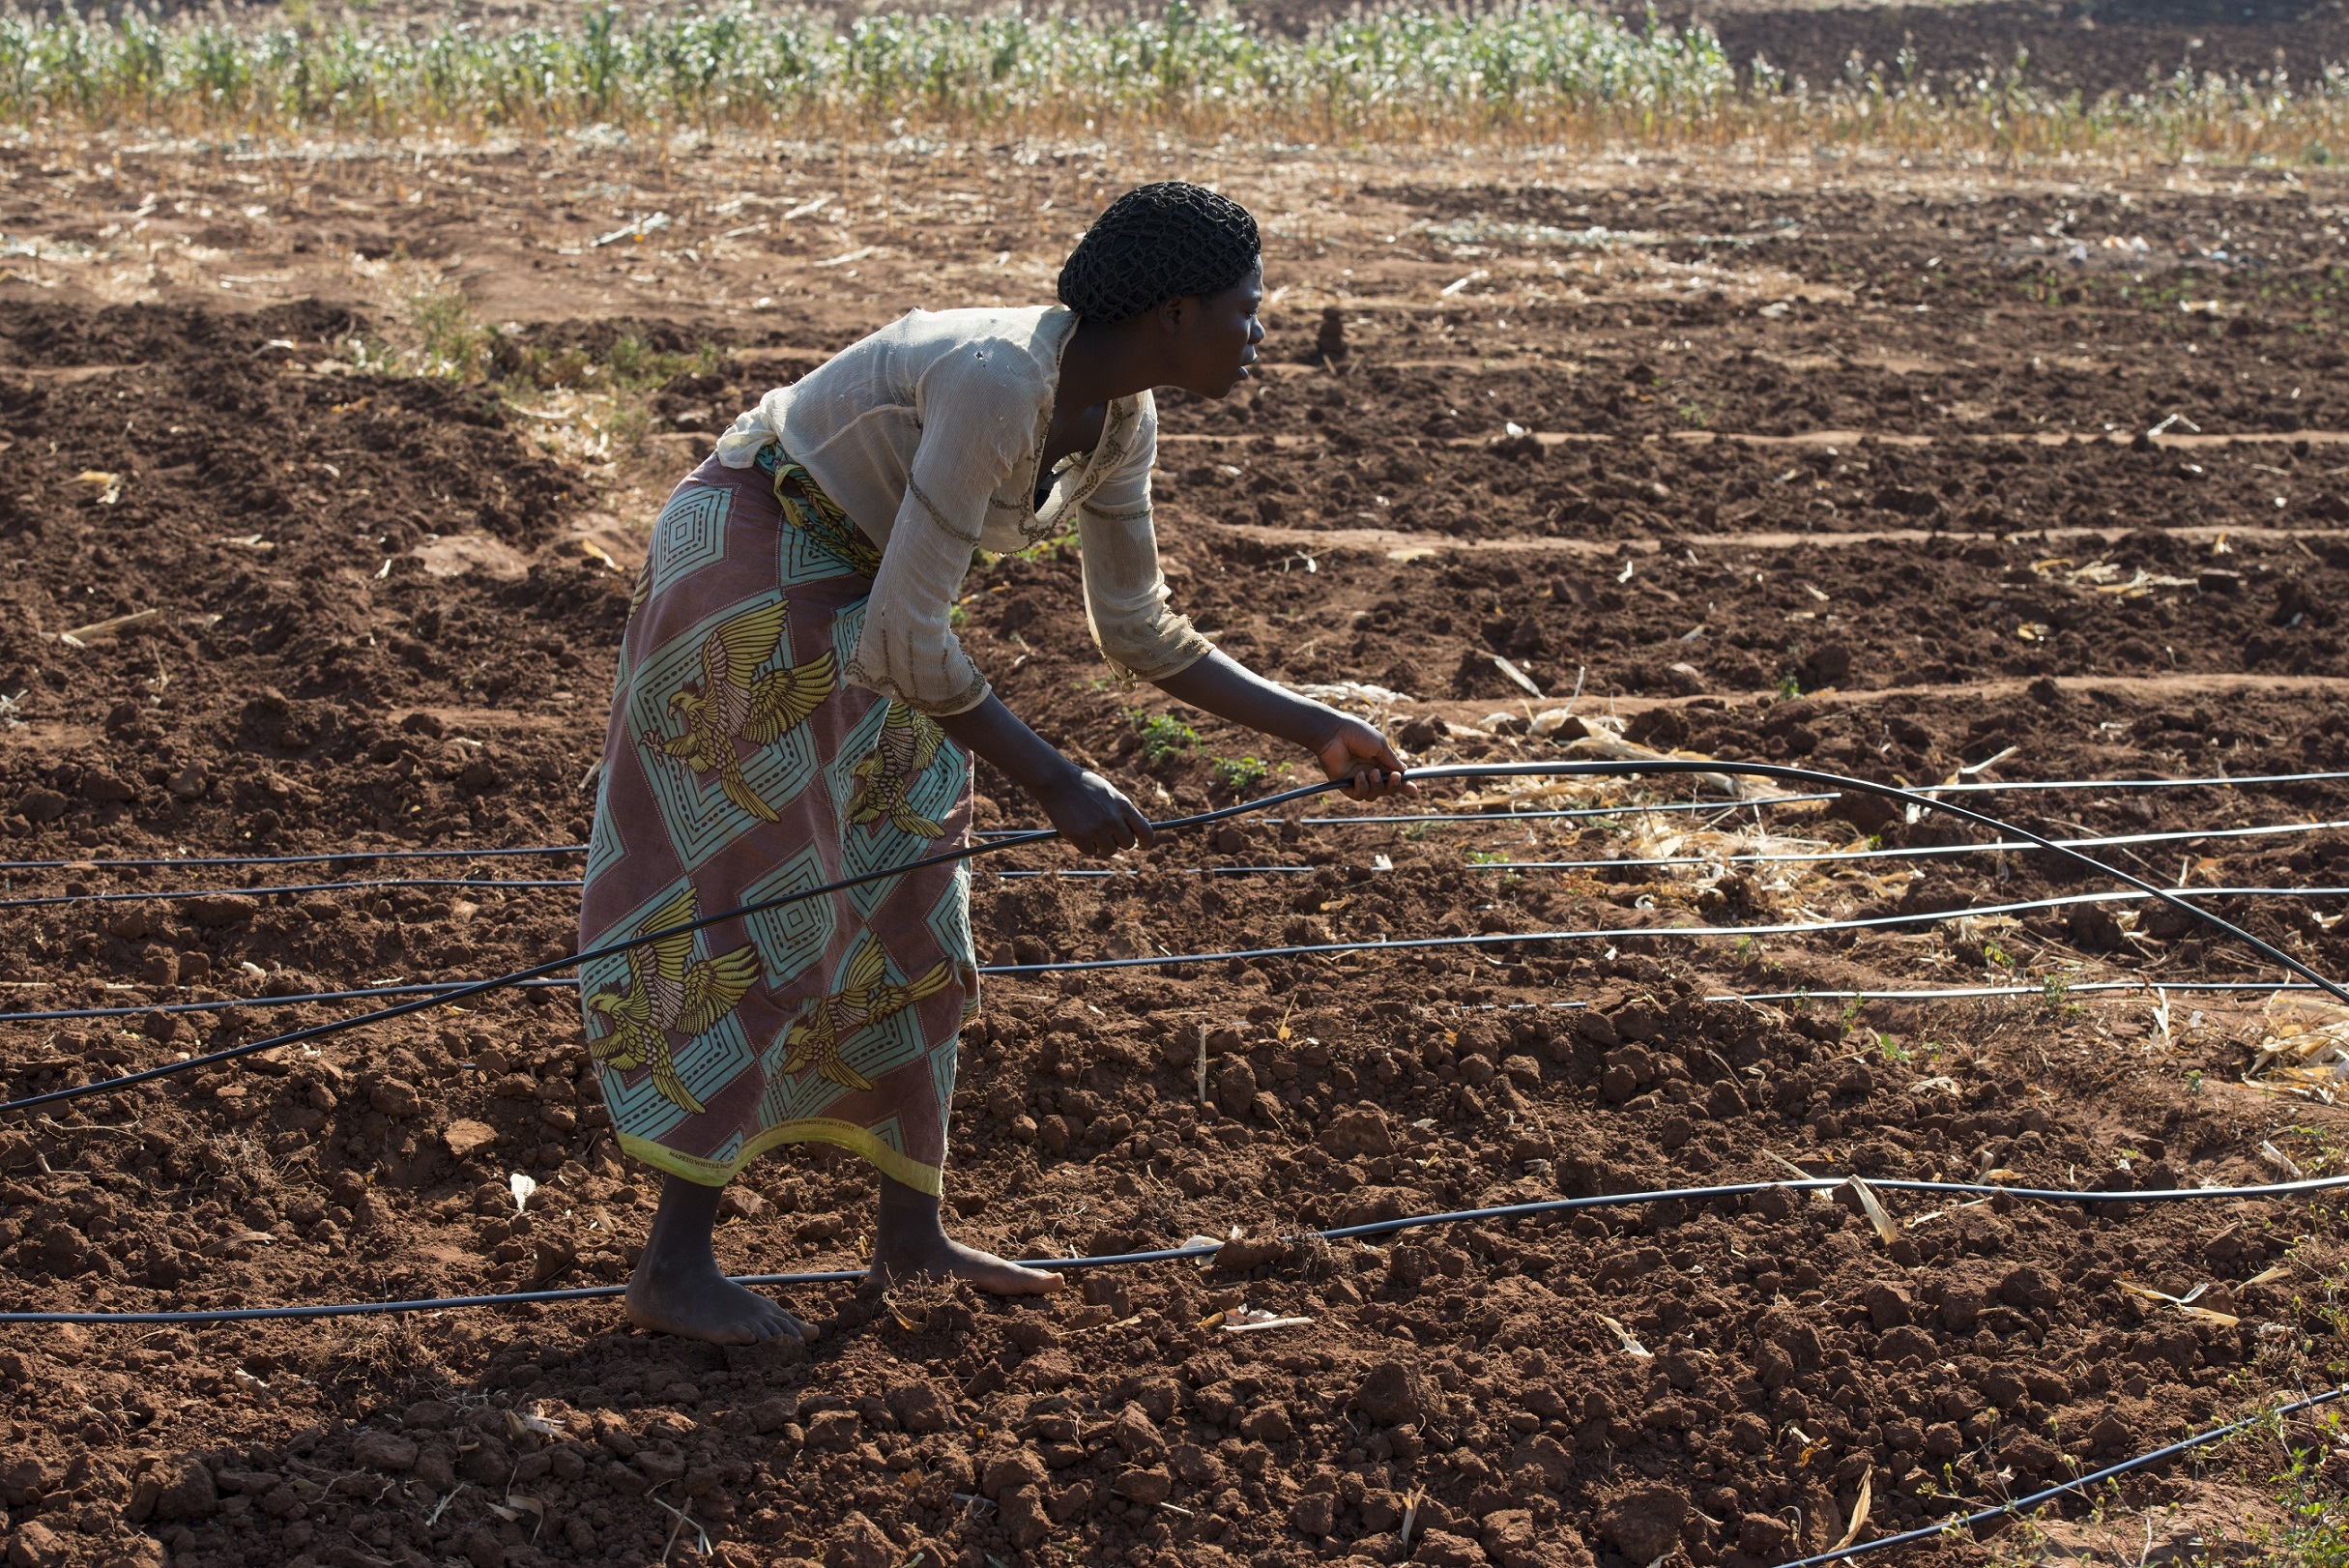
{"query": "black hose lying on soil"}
{"type": "Point", "coordinates": [2220, 781]}
{"type": "Point", "coordinates": [1610, 768]}
{"type": "Point", "coordinates": [1621, 933]}
{"type": "Point", "coordinates": [1821, 857]}
{"type": "Point", "coordinates": [1889, 792]}
{"type": "Point", "coordinates": [1170, 961]}
{"type": "Point", "coordinates": [1349, 1232]}
{"type": "Point", "coordinates": [464, 991]}
{"type": "Point", "coordinates": [1988, 1516]}
{"type": "Point", "coordinates": [337, 858]}
{"type": "Point", "coordinates": [492, 883]}
{"type": "Point", "coordinates": [1377, 1227]}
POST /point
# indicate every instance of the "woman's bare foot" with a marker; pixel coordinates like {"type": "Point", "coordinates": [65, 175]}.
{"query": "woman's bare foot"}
{"type": "Point", "coordinates": [942, 1256]}
{"type": "Point", "coordinates": [678, 1288]}
{"type": "Point", "coordinates": [707, 1306]}
{"type": "Point", "coordinates": [911, 1242]}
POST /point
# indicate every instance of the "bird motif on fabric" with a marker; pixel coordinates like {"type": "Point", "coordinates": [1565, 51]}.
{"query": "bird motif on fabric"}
{"type": "Point", "coordinates": [826, 1024]}
{"type": "Point", "coordinates": [737, 704]}
{"type": "Point", "coordinates": [908, 745]}
{"type": "Point", "coordinates": [672, 993]}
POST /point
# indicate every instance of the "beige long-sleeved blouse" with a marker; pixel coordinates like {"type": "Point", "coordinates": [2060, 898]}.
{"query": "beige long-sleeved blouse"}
{"type": "Point", "coordinates": [929, 434]}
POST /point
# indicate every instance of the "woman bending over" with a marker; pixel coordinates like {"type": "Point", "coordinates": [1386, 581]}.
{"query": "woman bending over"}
{"type": "Point", "coordinates": [791, 709]}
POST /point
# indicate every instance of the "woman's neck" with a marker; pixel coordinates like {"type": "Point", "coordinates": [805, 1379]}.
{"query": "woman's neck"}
{"type": "Point", "coordinates": [1100, 365]}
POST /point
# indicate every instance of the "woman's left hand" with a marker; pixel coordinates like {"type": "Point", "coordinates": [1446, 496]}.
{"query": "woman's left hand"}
{"type": "Point", "coordinates": [1349, 748]}
{"type": "Point", "coordinates": [1357, 751]}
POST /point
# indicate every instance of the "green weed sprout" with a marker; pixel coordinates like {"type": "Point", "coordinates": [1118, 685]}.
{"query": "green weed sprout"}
{"type": "Point", "coordinates": [1164, 736]}
{"type": "Point", "coordinates": [1238, 774]}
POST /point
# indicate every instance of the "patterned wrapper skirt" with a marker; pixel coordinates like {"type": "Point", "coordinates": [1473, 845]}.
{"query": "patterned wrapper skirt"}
{"type": "Point", "coordinates": [738, 768]}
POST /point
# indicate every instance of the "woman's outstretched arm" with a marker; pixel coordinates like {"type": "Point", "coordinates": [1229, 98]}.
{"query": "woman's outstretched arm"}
{"type": "Point", "coordinates": [1345, 746]}
{"type": "Point", "coordinates": [1090, 812]}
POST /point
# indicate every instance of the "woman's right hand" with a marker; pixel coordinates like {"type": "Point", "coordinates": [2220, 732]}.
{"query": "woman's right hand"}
{"type": "Point", "coordinates": [1094, 814]}
{"type": "Point", "coordinates": [1089, 811]}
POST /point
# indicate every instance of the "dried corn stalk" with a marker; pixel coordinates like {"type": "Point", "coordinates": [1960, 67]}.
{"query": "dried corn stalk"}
{"type": "Point", "coordinates": [1873, 1207]}
{"type": "Point", "coordinates": [2184, 1303]}
{"type": "Point", "coordinates": [2305, 1043]}
{"type": "Point", "coordinates": [1859, 1509]}
{"type": "Point", "coordinates": [2104, 578]}
{"type": "Point", "coordinates": [1629, 1341]}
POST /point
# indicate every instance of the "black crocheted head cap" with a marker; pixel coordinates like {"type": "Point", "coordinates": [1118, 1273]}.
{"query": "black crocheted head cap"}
{"type": "Point", "coordinates": [1158, 243]}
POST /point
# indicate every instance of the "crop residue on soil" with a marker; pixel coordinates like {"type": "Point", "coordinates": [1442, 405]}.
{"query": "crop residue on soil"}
{"type": "Point", "coordinates": [1780, 515]}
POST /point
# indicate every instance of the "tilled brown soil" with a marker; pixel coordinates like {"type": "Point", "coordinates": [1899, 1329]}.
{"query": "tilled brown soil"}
{"type": "Point", "coordinates": [371, 636]}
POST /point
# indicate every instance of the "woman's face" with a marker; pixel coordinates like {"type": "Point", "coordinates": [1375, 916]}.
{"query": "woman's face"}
{"type": "Point", "coordinates": [1215, 336]}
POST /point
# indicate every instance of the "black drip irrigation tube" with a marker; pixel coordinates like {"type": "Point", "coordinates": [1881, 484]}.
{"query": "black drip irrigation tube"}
{"type": "Point", "coordinates": [1327, 949]}
{"type": "Point", "coordinates": [1621, 933]}
{"type": "Point", "coordinates": [464, 990]}
{"type": "Point", "coordinates": [1926, 791]}
{"type": "Point", "coordinates": [1512, 1211]}
{"type": "Point", "coordinates": [1630, 809]}
{"type": "Point", "coordinates": [2009, 1510]}
{"type": "Point", "coordinates": [298, 998]}
{"type": "Point", "coordinates": [223, 1004]}
{"type": "Point", "coordinates": [1821, 857]}
{"type": "Point", "coordinates": [1807, 776]}
{"type": "Point", "coordinates": [1335, 949]}
{"type": "Point", "coordinates": [1782, 857]}
{"type": "Point", "coordinates": [362, 884]}
{"type": "Point", "coordinates": [1610, 768]}
{"type": "Point", "coordinates": [337, 858]}
{"type": "Point", "coordinates": [1163, 1255]}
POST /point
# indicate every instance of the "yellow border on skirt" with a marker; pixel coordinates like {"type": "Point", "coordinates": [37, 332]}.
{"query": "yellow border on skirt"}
{"type": "Point", "coordinates": [848, 1135]}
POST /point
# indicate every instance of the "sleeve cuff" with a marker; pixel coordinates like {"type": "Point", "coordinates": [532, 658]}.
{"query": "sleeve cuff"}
{"type": "Point", "coordinates": [1179, 647]}
{"type": "Point", "coordinates": [973, 693]}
